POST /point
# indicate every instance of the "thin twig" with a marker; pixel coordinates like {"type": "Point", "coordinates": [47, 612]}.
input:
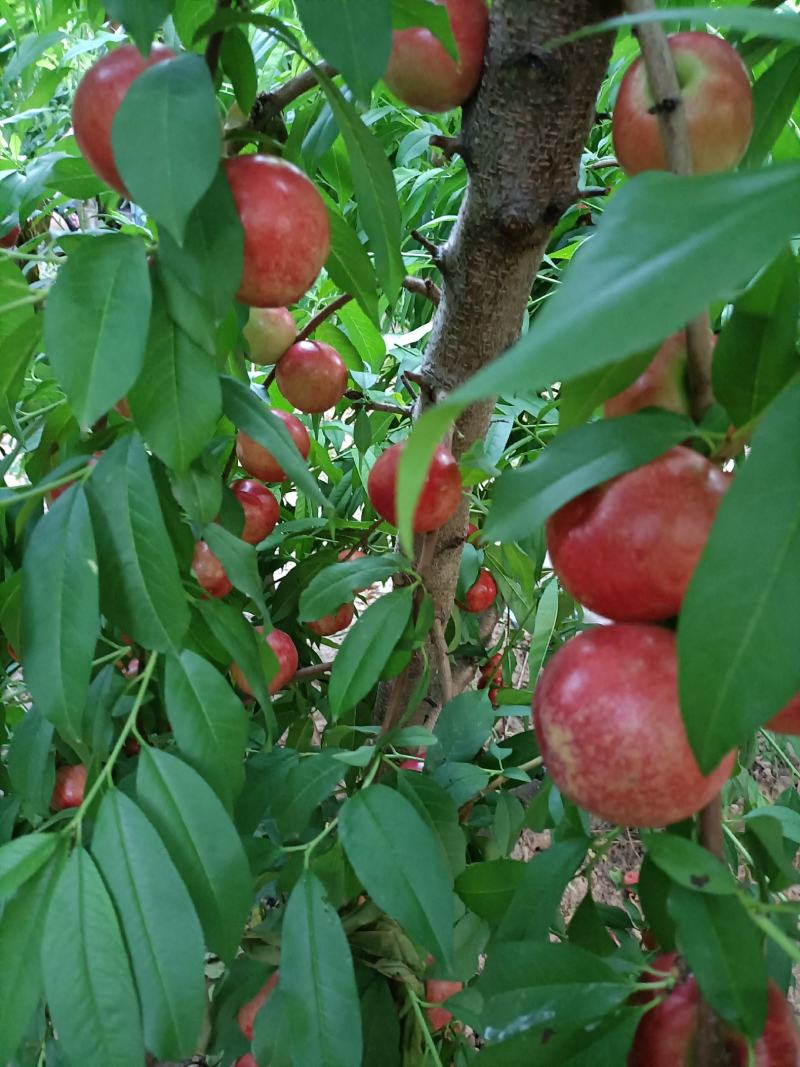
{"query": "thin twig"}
{"type": "Point", "coordinates": [442, 662]}
{"type": "Point", "coordinates": [429, 246]}
{"type": "Point", "coordinates": [320, 316]}
{"type": "Point", "coordinates": [592, 191]}
{"type": "Point", "coordinates": [378, 405]}
{"type": "Point", "coordinates": [214, 46]}
{"type": "Point", "coordinates": [423, 287]}
{"type": "Point", "coordinates": [295, 87]}
{"type": "Point", "coordinates": [449, 146]}
{"type": "Point", "coordinates": [314, 671]}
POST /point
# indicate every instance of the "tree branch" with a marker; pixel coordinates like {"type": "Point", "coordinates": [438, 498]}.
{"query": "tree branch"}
{"type": "Point", "coordinates": [268, 106]}
{"type": "Point", "coordinates": [214, 45]}
{"type": "Point", "coordinates": [378, 405]}
{"type": "Point", "coordinates": [314, 671]}
{"type": "Point", "coordinates": [320, 316]}
{"type": "Point", "coordinates": [423, 287]}
{"type": "Point", "coordinates": [429, 246]}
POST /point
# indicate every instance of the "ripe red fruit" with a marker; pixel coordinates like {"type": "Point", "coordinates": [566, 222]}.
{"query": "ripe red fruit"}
{"type": "Point", "coordinates": [347, 555]}
{"type": "Point", "coordinates": [472, 530]}
{"type": "Point", "coordinates": [269, 332]}
{"type": "Point", "coordinates": [261, 511]}
{"type": "Point", "coordinates": [435, 992]}
{"type": "Point", "coordinates": [261, 463]}
{"type": "Point", "coordinates": [332, 624]}
{"type": "Point", "coordinates": [286, 231]}
{"type": "Point", "coordinates": [627, 549]}
{"type": "Point", "coordinates": [69, 788]}
{"type": "Point", "coordinates": [787, 721]}
{"type": "Point", "coordinates": [667, 1033]}
{"type": "Point", "coordinates": [717, 99]}
{"type": "Point", "coordinates": [424, 76]}
{"type": "Point", "coordinates": [481, 595]}
{"type": "Point", "coordinates": [286, 653]}
{"type": "Point", "coordinates": [246, 1015]}
{"type": "Point", "coordinates": [99, 94]}
{"type": "Point", "coordinates": [413, 765]}
{"type": "Point", "coordinates": [247, 1060]}
{"type": "Point", "coordinates": [490, 673]}
{"type": "Point", "coordinates": [10, 238]}
{"type": "Point", "coordinates": [662, 384]}
{"type": "Point", "coordinates": [209, 572]}
{"type": "Point", "coordinates": [610, 729]}
{"type": "Point", "coordinates": [312, 376]}
{"type": "Point", "coordinates": [440, 495]}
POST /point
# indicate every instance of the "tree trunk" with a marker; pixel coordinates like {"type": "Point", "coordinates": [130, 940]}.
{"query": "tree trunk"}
{"type": "Point", "coordinates": [522, 139]}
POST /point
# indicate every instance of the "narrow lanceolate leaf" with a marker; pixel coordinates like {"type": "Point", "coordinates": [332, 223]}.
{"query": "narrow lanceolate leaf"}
{"type": "Point", "coordinates": [209, 723]}
{"type": "Point", "coordinates": [159, 923]}
{"type": "Point", "coordinates": [21, 858]}
{"type": "Point", "coordinates": [177, 400]}
{"type": "Point", "coordinates": [379, 831]}
{"type": "Point", "coordinates": [348, 263]}
{"type": "Point", "coordinates": [532, 910]}
{"type": "Point", "coordinates": [574, 462]}
{"type": "Point", "coordinates": [366, 649]}
{"type": "Point", "coordinates": [317, 980]}
{"type": "Point", "coordinates": [141, 18]}
{"type": "Point", "coordinates": [736, 667]}
{"type": "Point", "coordinates": [374, 186]}
{"type": "Point", "coordinates": [340, 29]}
{"type": "Point", "coordinates": [95, 323]}
{"type": "Point", "coordinates": [241, 564]}
{"type": "Point", "coordinates": [140, 587]}
{"type": "Point", "coordinates": [756, 354]}
{"type": "Point", "coordinates": [87, 974]}
{"type": "Point", "coordinates": [21, 927]}
{"type": "Point", "coordinates": [336, 585]}
{"type": "Point", "coordinates": [774, 97]}
{"type": "Point", "coordinates": [250, 414]}
{"type": "Point", "coordinates": [245, 646]}
{"type": "Point", "coordinates": [203, 844]}
{"type": "Point", "coordinates": [409, 14]}
{"type": "Point", "coordinates": [60, 612]}
{"type": "Point", "coordinates": [166, 138]}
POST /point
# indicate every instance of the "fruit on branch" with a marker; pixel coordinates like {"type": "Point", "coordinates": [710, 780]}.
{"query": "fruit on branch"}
{"type": "Point", "coordinates": [424, 76]}
{"type": "Point", "coordinates": [99, 94]}
{"type": "Point", "coordinates": [347, 555]}
{"type": "Point", "coordinates": [334, 623]}
{"type": "Point", "coordinates": [248, 1060]}
{"type": "Point", "coordinates": [472, 533]}
{"type": "Point", "coordinates": [610, 729]}
{"type": "Point", "coordinates": [69, 788]}
{"type": "Point", "coordinates": [10, 238]}
{"type": "Point", "coordinates": [261, 511]}
{"type": "Point", "coordinates": [417, 765]}
{"type": "Point", "coordinates": [246, 1015]}
{"type": "Point", "coordinates": [54, 494]}
{"type": "Point", "coordinates": [787, 721]}
{"type": "Point", "coordinates": [717, 98]}
{"type": "Point", "coordinates": [440, 496]}
{"type": "Point", "coordinates": [482, 593]}
{"type": "Point", "coordinates": [285, 653]}
{"type": "Point", "coordinates": [436, 991]}
{"type": "Point", "coordinates": [492, 676]}
{"type": "Point", "coordinates": [269, 332]}
{"type": "Point", "coordinates": [312, 376]}
{"type": "Point", "coordinates": [662, 384]}
{"type": "Point", "coordinates": [627, 549]}
{"type": "Point", "coordinates": [667, 1034]}
{"type": "Point", "coordinates": [123, 408]}
{"type": "Point", "coordinates": [286, 231]}
{"type": "Point", "coordinates": [260, 462]}
{"type": "Point", "coordinates": [209, 572]}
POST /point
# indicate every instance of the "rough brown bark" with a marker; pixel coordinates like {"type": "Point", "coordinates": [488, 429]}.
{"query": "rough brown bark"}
{"type": "Point", "coordinates": [522, 140]}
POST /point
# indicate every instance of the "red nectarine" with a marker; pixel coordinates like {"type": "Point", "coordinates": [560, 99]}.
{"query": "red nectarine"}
{"type": "Point", "coordinates": [312, 376]}
{"type": "Point", "coordinates": [440, 496]}
{"type": "Point", "coordinates": [261, 463]}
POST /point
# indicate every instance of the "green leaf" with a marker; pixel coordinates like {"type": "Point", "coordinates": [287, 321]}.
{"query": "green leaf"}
{"type": "Point", "coordinates": [252, 415]}
{"type": "Point", "coordinates": [296, 785]}
{"type": "Point", "coordinates": [31, 766]}
{"type": "Point", "coordinates": [317, 981]}
{"type": "Point", "coordinates": [240, 561]}
{"type": "Point", "coordinates": [73, 177]}
{"type": "Point", "coordinates": [381, 1026]}
{"type": "Point", "coordinates": [159, 923]}
{"type": "Point", "coordinates": [463, 727]}
{"type": "Point", "coordinates": [336, 585]}
{"type": "Point", "coordinates": [488, 888]}
{"type": "Point", "coordinates": [21, 928]}
{"type": "Point", "coordinates": [348, 263]}
{"type": "Point", "coordinates": [725, 952]}
{"type": "Point", "coordinates": [381, 832]}
{"type": "Point", "coordinates": [543, 627]}
{"type": "Point", "coordinates": [176, 401]}
{"type": "Point", "coordinates": [340, 30]}
{"type": "Point", "coordinates": [238, 63]}
{"type": "Point", "coordinates": [272, 1034]}
{"type": "Point", "coordinates": [19, 344]}
{"type": "Point", "coordinates": [439, 811]}
{"type": "Point", "coordinates": [756, 353]}
{"type": "Point", "coordinates": [735, 666]}
{"type": "Point", "coordinates": [774, 96]}
{"type": "Point", "coordinates": [574, 462]}
{"type": "Point", "coordinates": [60, 612]}
{"type": "Point", "coordinates": [141, 18]}
{"type": "Point", "coordinates": [95, 323]}
{"type": "Point", "coordinates": [209, 722]}
{"type": "Point", "coordinates": [202, 843]}
{"type": "Point", "coordinates": [409, 14]}
{"type": "Point", "coordinates": [140, 587]}
{"type": "Point", "coordinates": [366, 649]}
{"type": "Point", "coordinates": [167, 139]}
{"type": "Point", "coordinates": [530, 914]}
{"type": "Point", "coordinates": [21, 858]}
{"type": "Point", "coordinates": [87, 976]}
{"type": "Point", "coordinates": [198, 490]}
{"type": "Point", "coordinates": [374, 186]}
{"type": "Point", "coordinates": [581, 397]}
{"type": "Point", "coordinates": [243, 644]}
{"type": "Point", "coordinates": [461, 781]}
{"type": "Point", "coordinates": [689, 864]}
{"type": "Point", "coordinates": [746, 19]}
